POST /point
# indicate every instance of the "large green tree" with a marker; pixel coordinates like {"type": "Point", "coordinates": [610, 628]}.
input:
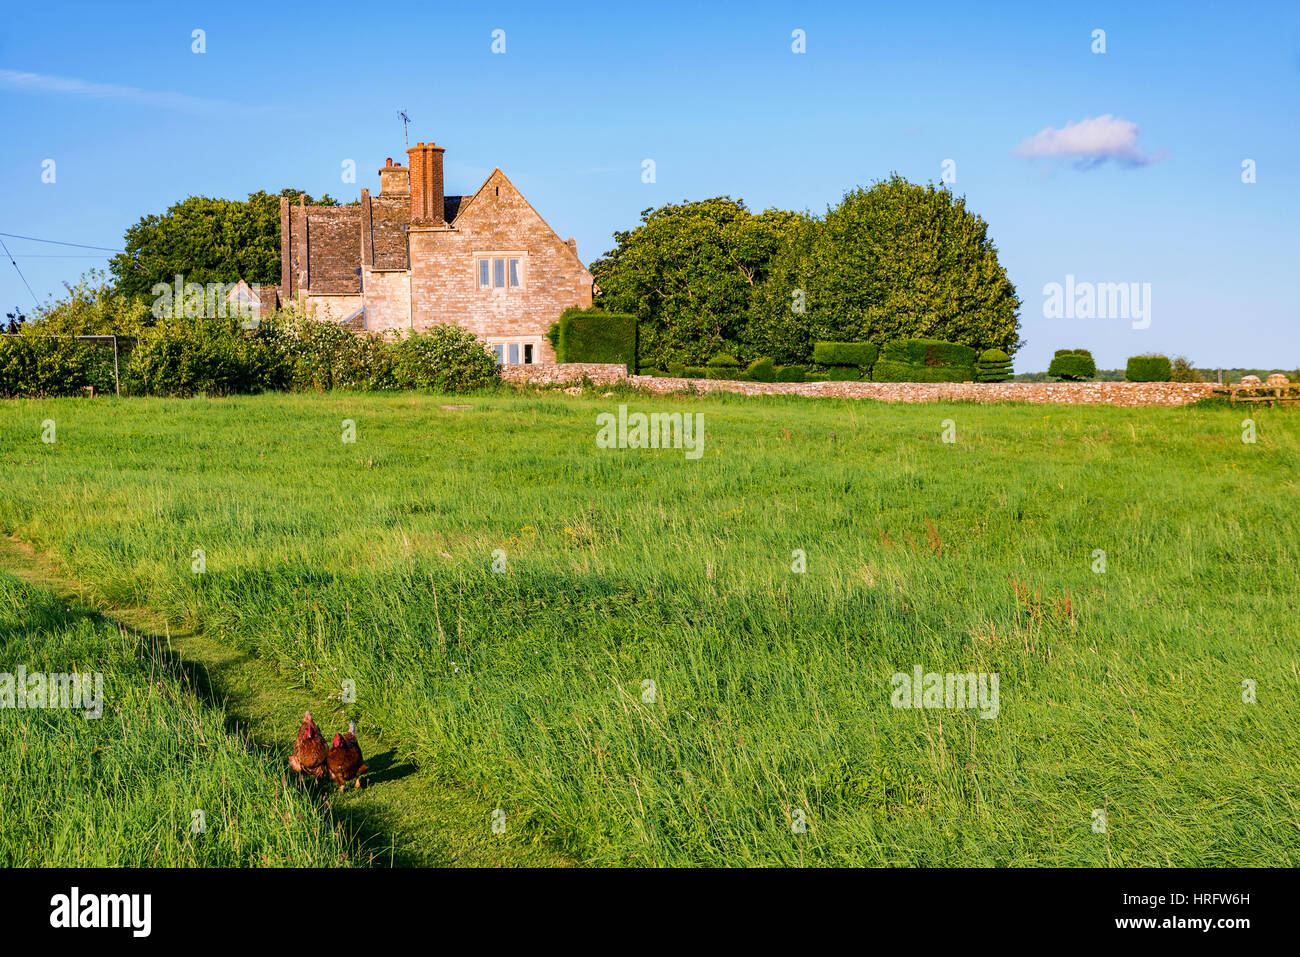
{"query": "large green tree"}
{"type": "Point", "coordinates": [896, 260]}
{"type": "Point", "coordinates": [206, 240]}
{"type": "Point", "coordinates": [689, 273]}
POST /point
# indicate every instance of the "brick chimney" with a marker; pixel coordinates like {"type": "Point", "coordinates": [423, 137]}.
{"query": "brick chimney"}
{"type": "Point", "coordinates": [393, 180]}
{"type": "Point", "coordinates": [425, 161]}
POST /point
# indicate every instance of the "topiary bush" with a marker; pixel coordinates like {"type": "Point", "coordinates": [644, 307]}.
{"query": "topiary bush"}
{"type": "Point", "coordinates": [676, 370]}
{"type": "Point", "coordinates": [790, 374]}
{"type": "Point", "coordinates": [924, 360]}
{"type": "Point", "coordinates": [762, 370]}
{"type": "Point", "coordinates": [723, 366]}
{"type": "Point", "coordinates": [861, 355]}
{"type": "Point", "coordinates": [697, 372]}
{"type": "Point", "coordinates": [1149, 368]}
{"type": "Point", "coordinates": [594, 335]}
{"type": "Point", "coordinates": [1072, 365]}
{"type": "Point", "coordinates": [993, 365]}
{"type": "Point", "coordinates": [444, 358]}
{"type": "Point", "coordinates": [842, 374]}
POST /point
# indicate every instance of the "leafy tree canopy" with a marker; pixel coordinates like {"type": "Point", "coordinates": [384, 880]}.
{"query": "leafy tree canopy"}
{"type": "Point", "coordinates": [689, 272]}
{"type": "Point", "coordinates": [206, 240]}
{"type": "Point", "coordinates": [893, 261]}
{"type": "Point", "coordinates": [92, 308]}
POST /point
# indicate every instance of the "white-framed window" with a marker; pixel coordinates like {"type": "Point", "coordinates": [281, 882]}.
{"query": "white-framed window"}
{"type": "Point", "coordinates": [504, 271]}
{"type": "Point", "coordinates": [513, 352]}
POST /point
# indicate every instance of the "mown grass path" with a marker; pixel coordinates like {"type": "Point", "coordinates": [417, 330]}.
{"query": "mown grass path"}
{"type": "Point", "coordinates": [403, 815]}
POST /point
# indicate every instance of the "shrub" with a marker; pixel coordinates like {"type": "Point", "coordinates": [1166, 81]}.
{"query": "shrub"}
{"type": "Point", "coordinates": [696, 372]}
{"type": "Point", "coordinates": [762, 370]}
{"type": "Point", "coordinates": [924, 360]}
{"type": "Point", "coordinates": [593, 335]}
{"type": "Point", "coordinates": [1148, 369]}
{"type": "Point", "coordinates": [724, 361]}
{"type": "Point", "coordinates": [185, 357]}
{"type": "Point", "coordinates": [444, 358]}
{"type": "Point", "coordinates": [993, 365]}
{"type": "Point", "coordinates": [1072, 365]}
{"type": "Point", "coordinates": [790, 374]}
{"type": "Point", "coordinates": [1184, 371]}
{"type": "Point", "coordinates": [861, 355]}
{"type": "Point", "coordinates": [36, 365]}
{"type": "Point", "coordinates": [324, 355]}
{"type": "Point", "coordinates": [676, 370]}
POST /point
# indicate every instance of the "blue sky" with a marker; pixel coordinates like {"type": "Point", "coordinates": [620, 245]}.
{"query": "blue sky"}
{"type": "Point", "coordinates": [1149, 191]}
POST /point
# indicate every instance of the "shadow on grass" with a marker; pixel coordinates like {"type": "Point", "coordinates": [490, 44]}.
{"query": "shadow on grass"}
{"type": "Point", "coordinates": [255, 711]}
{"type": "Point", "coordinates": [412, 818]}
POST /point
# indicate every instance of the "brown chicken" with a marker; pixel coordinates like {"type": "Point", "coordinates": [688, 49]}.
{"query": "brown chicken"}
{"type": "Point", "coordinates": [310, 752]}
{"type": "Point", "coordinates": [345, 761]}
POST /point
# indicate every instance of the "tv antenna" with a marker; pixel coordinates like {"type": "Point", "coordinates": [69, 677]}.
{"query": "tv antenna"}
{"type": "Point", "coordinates": [405, 122]}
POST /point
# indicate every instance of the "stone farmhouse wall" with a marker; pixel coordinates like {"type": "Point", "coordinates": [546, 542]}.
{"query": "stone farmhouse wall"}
{"type": "Point", "coordinates": [410, 256]}
{"type": "Point", "coordinates": [497, 221]}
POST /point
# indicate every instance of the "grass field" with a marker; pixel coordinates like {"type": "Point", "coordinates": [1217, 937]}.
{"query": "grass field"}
{"type": "Point", "coordinates": [1121, 691]}
{"type": "Point", "coordinates": [121, 790]}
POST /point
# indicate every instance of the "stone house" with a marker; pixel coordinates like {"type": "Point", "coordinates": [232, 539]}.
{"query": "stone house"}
{"type": "Point", "coordinates": [411, 256]}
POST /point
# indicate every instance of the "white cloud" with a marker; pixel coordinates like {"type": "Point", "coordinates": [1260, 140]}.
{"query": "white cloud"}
{"type": "Point", "coordinates": [1089, 142]}
{"type": "Point", "coordinates": [38, 83]}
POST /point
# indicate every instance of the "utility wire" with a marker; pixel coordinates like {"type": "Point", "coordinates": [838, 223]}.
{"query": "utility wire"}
{"type": "Point", "coordinates": [20, 273]}
{"type": "Point", "coordinates": [58, 242]}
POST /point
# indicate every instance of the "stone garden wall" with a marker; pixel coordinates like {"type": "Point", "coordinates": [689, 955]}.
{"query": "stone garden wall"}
{"type": "Point", "coordinates": [568, 373]}
{"type": "Point", "coordinates": [1070, 393]}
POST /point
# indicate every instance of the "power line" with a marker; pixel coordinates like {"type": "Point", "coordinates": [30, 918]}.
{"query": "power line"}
{"type": "Point", "coordinates": [59, 242]}
{"type": "Point", "coordinates": [20, 273]}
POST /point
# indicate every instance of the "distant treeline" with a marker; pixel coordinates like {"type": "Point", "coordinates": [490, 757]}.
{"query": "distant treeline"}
{"type": "Point", "coordinates": [1207, 375]}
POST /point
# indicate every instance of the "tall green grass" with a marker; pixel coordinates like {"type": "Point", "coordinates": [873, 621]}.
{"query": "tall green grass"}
{"type": "Point", "coordinates": [121, 790]}
{"type": "Point", "coordinates": [1120, 691]}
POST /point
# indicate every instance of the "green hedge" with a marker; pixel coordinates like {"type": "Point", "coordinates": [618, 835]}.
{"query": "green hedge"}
{"type": "Point", "coordinates": [1072, 365]}
{"type": "Point", "coordinates": [859, 354]}
{"type": "Point", "coordinates": [593, 335]}
{"type": "Point", "coordinates": [1149, 369]}
{"type": "Point", "coordinates": [191, 356]}
{"type": "Point", "coordinates": [790, 374]}
{"type": "Point", "coordinates": [924, 360]}
{"type": "Point", "coordinates": [724, 361]}
{"type": "Point", "coordinates": [185, 357]}
{"type": "Point", "coordinates": [35, 365]}
{"type": "Point", "coordinates": [993, 365]}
